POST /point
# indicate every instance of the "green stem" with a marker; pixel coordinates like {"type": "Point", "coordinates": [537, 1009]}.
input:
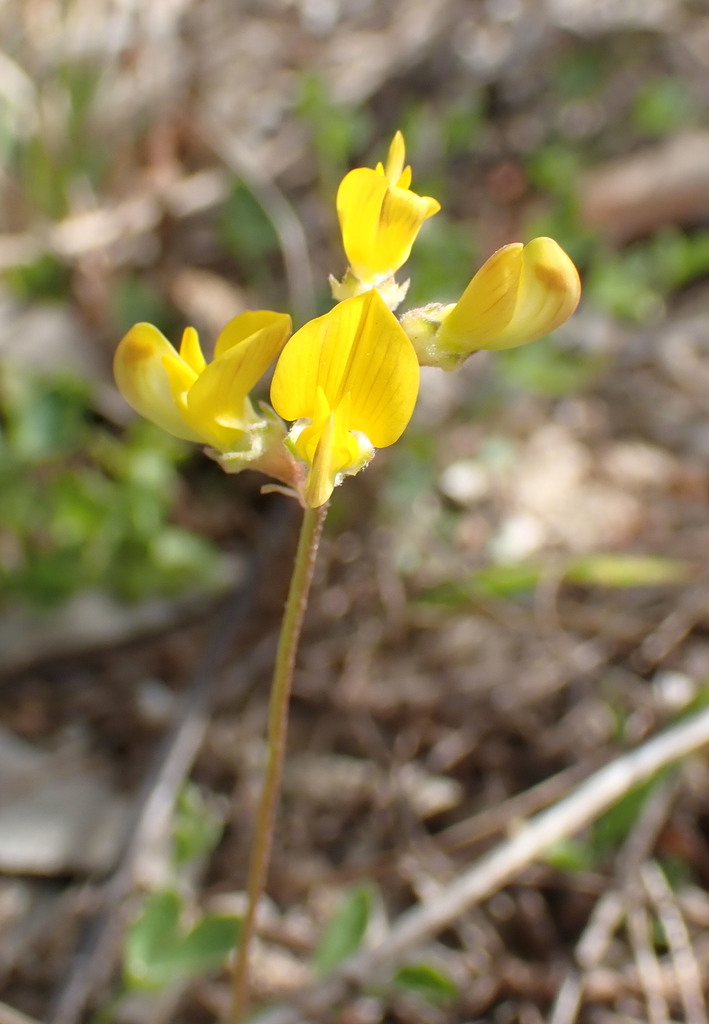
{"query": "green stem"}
{"type": "Point", "coordinates": [297, 602]}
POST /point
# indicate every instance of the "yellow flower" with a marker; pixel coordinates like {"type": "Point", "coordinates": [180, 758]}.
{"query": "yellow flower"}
{"type": "Point", "coordinates": [193, 399]}
{"type": "Point", "coordinates": [380, 216]}
{"type": "Point", "coordinates": [521, 293]}
{"type": "Point", "coordinates": [354, 375]}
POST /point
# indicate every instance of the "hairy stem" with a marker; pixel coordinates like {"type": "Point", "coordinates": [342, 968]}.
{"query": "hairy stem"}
{"type": "Point", "coordinates": [310, 532]}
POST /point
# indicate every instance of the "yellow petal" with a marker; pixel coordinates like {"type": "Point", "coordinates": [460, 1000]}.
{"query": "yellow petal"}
{"type": "Point", "coordinates": [181, 377]}
{"type": "Point", "coordinates": [217, 405]}
{"type": "Point", "coordinates": [247, 324]}
{"type": "Point", "coordinates": [328, 447]}
{"type": "Point", "coordinates": [487, 304]}
{"type": "Point", "coordinates": [360, 348]}
{"type": "Point", "coordinates": [307, 440]}
{"type": "Point", "coordinates": [404, 181]}
{"type": "Point", "coordinates": [321, 480]}
{"type": "Point", "coordinates": [143, 381]}
{"type": "Point", "coordinates": [191, 350]}
{"type": "Point", "coordinates": [379, 222]}
{"type": "Point", "coordinates": [520, 294]}
{"type": "Point", "coordinates": [549, 292]}
{"type": "Point", "coordinates": [395, 161]}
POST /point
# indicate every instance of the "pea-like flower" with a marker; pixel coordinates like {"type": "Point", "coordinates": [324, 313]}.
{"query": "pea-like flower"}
{"type": "Point", "coordinates": [380, 218]}
{"type": "Point", "coordinates": [521, 293]}
{"type": "Point", "coordinates": [207, 402]}
{"type": "Point", "coordinates": [350, 380]}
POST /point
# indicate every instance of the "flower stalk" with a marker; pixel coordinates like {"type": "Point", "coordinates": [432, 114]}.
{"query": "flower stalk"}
{"type": "Point", "coordinates": [296, 604]}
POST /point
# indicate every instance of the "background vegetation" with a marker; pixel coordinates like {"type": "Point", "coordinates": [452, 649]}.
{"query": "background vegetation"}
{"type": "Point", "coordinates": [511, 596]}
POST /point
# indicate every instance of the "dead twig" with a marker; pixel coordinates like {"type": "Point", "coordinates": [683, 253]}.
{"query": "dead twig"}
{"type": "Point", "coordinates": [497, 818]}
{"type": "Point", "coordinates": [603, 789]}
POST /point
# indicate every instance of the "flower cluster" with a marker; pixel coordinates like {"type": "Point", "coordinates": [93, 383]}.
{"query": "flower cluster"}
{"type": "Point", "coordinates": [346, 381]}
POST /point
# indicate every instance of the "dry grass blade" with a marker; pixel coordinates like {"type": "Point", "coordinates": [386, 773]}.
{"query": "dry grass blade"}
{"type": "Point", "coordinates": [689, 978]}
{"type": "Point", "coordinates": [288, 228]}
{"type": "Point", "coordinates": [590, 950]}
{"type": "Point", "coordinates": [649, 972]}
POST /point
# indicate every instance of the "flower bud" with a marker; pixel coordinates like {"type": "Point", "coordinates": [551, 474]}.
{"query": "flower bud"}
{"type": "Point", "coordinates": [520, 294]}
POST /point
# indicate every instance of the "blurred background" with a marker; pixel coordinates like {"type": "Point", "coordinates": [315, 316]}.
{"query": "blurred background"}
{"type": "Point", "coordinates": [506, 599]}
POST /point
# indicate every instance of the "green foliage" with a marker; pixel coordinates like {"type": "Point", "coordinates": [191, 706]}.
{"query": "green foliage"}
{"type": "Point", "coordinates": [556, 169]}
{"type": "Point", "coordinates": [159, 951]}
{"type": "Point", "coordinates": [622, 571]}
{"type": "Point", "coordinates": [582, 73]}
{"type": "Point", "coordinates": [681, 258]}
{"type": "Point", "coordinates": [571, 856]}
{"type": "Point", "coordinates": [80, 507]}
{"type": "Point", "coordinates": [434, 133]}
{"type": "Point", "coordinates": [135, 299]}
{"type": "Point", "coordinates": [625, 285]}
{"type": "Point", "coordinates": [545, 368]}
{"type": "Point", "coordinates": [677, 871]}
{"type": "Point", "coordinates": [345, 932]}
{"type": "Point", "coordinates": [506, 581]}
{"type": "Point", "coordinates": [461, 124]}
{"type": "Point", "coordinates": [661, 107]}
{"type": "Point", "coordinates": [609, 832]}
{"type": "Point", "coordinates": [46, 278]}
{"type": "Point", "coordinates": [43, 177]}
{"type": "Point", "coordinates": [634, 284]}
{"type": "Point", "coordinates": [160, 948]}
{"type": "Point", "coordinates": [247, 233]}
{"type": "Point", "coordinates": [197, 827]}
{"type": "Point", "coordinates": [44, 418]}
{"type": "Point", "coordinates": [338, 132]}
{"type": "Point", "coordinates": [428, 982]}
{"type": "Point", "coordinates": [442, 263]}
{"type": "Point", "coordinates": [51, 162]}
{"type": "Point", "coordinates": [613, 571]}
{"type": "Point", "coordinates": [84, 155]}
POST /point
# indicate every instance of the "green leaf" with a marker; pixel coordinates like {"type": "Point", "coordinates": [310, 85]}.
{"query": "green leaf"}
{"type": "Point", "coordinates": [151, 940]}
{"type": "Point", "coordinates": [208, 944]}
{"type": "Point", "coordinates": [504, 581]}
{"type": "Point", "coordinates": [345, 931]}
{"type": "Point", "coordinates": [661, 107]}
{"type": "Point", "coordinates": [157, 952]}
{"type": "Point", "coordinates": [547, 369]}
{"type": "Point", "coordinates": [571, 856]}
{"type": "Point", "coordinates": [337, 131]}
{"type": "Point", "coordinates": [46, 417]}
{"type": "Point", "coordinates": [616, 570]}
{"type": "Point", "coordinates": [198, 825]}
{"type": "Point", "coordinates": [428, 982]}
